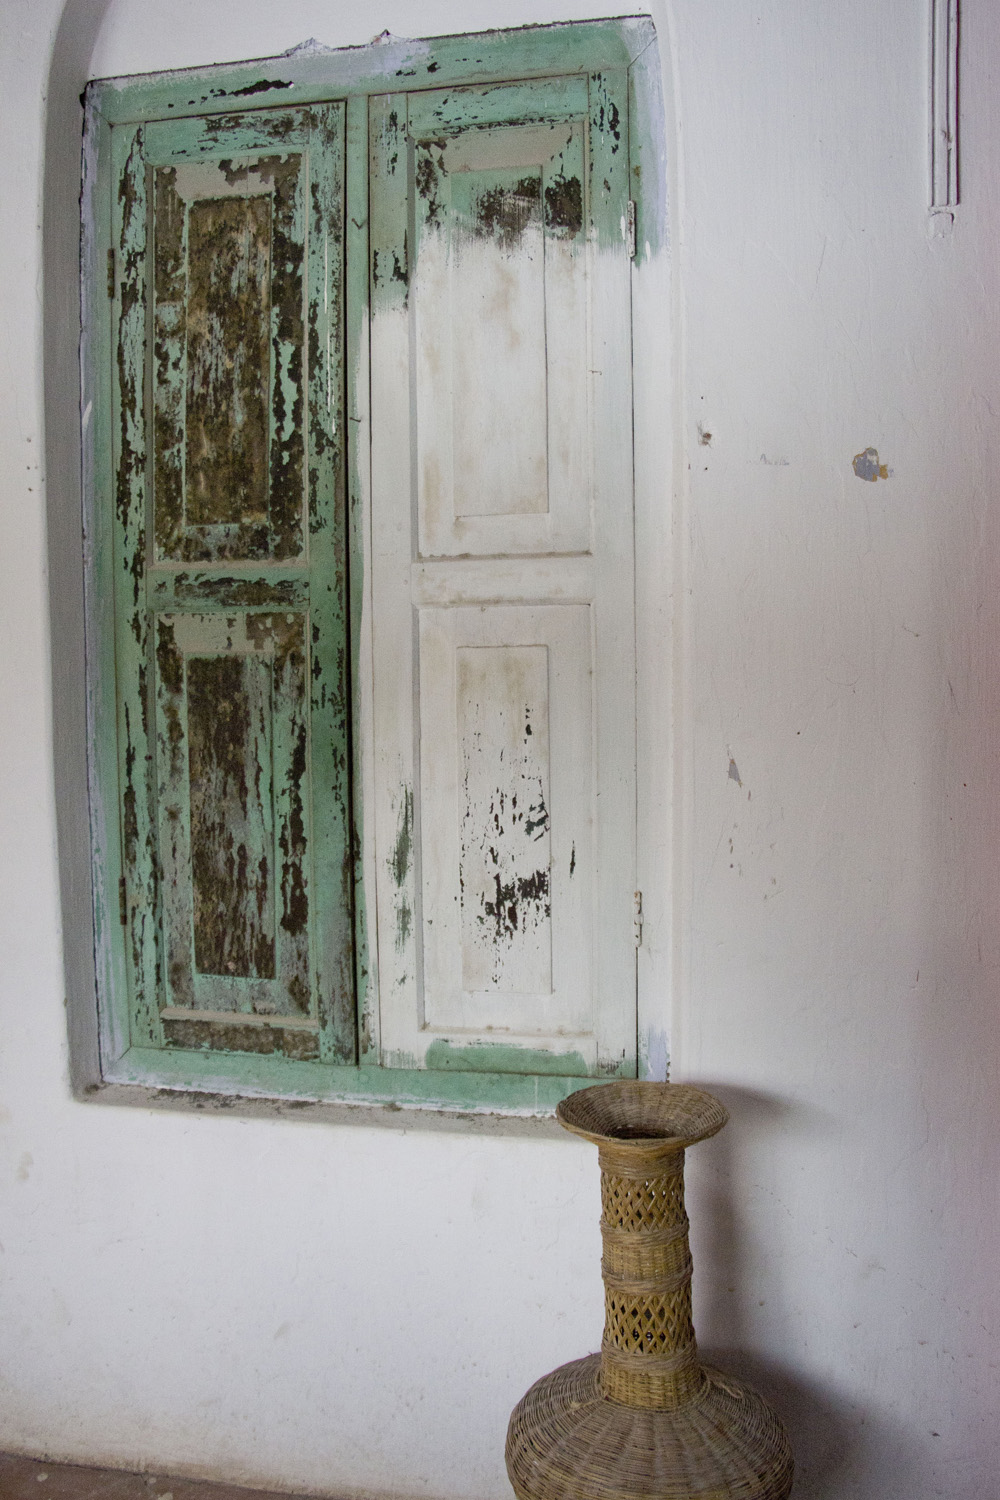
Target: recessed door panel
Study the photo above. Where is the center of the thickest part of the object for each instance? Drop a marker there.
(506, 802)
(499, 299)
(229, 325)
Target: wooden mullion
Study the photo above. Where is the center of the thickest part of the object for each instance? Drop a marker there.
(358, 454)
(329, 668)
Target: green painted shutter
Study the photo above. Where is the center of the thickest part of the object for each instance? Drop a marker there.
(230, 566)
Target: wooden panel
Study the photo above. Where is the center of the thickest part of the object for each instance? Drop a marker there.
(229, 244)
(507, 793)
(496, 299)
(229, 253)
(500, 314)
(502, 577)
(232, 651)
(502, 712)
(232, 720)
(232, 837)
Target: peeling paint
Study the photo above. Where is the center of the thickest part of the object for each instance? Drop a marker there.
(229, 743)
(505, 213)
(227, 1036)
(501, 1057)
(510, 899)
(402, 853)
(867, 465)
(229, 251)
(505, 851)
(228, 282)
(263, 86)
(564, 204)
(401, 863)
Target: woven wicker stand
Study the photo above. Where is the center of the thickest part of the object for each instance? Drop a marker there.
(644, 1417)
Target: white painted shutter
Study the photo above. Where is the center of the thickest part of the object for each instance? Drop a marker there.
(502, 577)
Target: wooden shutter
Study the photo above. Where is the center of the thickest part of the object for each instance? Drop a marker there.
(502, 576)
(230, 563)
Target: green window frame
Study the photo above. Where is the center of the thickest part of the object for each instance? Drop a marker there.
(225, 634)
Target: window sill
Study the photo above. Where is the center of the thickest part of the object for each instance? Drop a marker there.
(271, 1087)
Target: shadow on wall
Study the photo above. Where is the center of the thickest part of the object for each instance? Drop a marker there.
(835, 1444)
(69, 69)
(834, 1441)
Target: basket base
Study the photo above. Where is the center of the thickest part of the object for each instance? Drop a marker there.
(566, 1441)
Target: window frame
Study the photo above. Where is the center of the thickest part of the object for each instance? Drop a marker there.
(354, 76)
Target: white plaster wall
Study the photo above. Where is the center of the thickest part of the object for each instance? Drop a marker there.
(346, 1308)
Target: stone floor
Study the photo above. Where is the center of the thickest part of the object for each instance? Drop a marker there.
(29, 1479)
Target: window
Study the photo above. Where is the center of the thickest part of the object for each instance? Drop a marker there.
(361, 589)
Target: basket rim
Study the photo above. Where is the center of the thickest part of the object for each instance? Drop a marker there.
(642, 1114)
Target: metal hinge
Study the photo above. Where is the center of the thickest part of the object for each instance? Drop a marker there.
(637, 917)
(111, 274)
(122, 901)
(630, 228)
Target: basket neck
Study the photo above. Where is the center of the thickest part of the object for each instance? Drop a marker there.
(649, 1357)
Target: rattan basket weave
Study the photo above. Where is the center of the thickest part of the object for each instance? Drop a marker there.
(645, 1417)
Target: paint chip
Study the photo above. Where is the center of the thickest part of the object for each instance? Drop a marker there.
(734, 774)
(309, 48)
(866, 465)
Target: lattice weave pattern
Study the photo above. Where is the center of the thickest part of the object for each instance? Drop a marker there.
(655, 1323)
(643, 1203)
